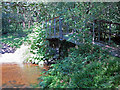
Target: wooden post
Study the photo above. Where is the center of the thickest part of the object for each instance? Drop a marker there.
(119, 31)
(46, 29)
(67, 28)
(75, 27)
(54, 27)
(93, 32)
(104, 31)
(49, 28)
(109, 33)
(84, 31)
(60, 28)
(98, 31)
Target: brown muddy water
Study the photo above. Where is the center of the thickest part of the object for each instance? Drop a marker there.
(15, 74)
(20, 76)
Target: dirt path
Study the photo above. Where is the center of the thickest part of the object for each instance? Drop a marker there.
(112, 50)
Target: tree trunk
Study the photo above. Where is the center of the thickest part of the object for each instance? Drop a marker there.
(28, 24)
(23, 25)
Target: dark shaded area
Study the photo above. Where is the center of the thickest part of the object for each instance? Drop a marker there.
(59, 49)
(105, 31)
(108, 22)
(116, 40)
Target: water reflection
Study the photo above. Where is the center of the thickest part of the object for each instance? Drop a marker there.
(20, 76)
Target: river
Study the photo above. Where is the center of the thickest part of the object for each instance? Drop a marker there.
(16, 76)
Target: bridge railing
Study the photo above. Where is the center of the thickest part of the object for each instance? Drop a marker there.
(57, 27)
(103, 30)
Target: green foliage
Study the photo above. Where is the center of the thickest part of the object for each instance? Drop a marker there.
(38, 42)
(86, 67)
(10, 23)
(16, 39)
(12, 41)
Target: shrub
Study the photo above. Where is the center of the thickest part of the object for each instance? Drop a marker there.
(38, 43)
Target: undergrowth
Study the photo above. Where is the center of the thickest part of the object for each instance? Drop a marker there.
(86, 67)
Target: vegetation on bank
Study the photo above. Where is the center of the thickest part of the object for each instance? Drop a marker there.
(15, 39)
(86, 67)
